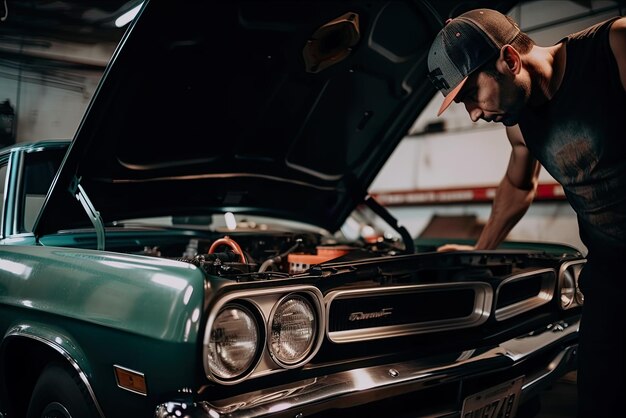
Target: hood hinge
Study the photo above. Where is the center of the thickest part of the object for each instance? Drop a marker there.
(380, 210)
(94, 216)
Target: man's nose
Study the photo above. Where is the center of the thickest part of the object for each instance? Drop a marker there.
(474, 111)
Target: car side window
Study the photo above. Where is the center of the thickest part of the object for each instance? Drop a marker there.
(40, 169)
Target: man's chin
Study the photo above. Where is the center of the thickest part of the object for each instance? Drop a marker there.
(509, 120)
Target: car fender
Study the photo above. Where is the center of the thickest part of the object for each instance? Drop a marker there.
(148, 296)
(130, 311)
(55, 340)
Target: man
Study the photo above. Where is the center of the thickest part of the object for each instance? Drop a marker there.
(564, 107)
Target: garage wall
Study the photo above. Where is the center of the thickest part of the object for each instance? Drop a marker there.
(51, 90)
(467, 159)
(52, 93)
(467, 155)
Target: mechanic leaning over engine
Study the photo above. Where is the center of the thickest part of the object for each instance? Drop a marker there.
(564, 107)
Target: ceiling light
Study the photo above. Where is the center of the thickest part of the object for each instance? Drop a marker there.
(231, 222)
(128, 16)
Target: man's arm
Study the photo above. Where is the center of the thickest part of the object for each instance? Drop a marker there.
(513, 196)
(617, 40)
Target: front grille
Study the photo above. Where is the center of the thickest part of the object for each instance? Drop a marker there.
(365, 314)
(522, 292)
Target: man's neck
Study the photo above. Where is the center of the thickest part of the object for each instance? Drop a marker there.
(546, 66)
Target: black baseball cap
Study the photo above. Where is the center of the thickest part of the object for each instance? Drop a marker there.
(463, 45)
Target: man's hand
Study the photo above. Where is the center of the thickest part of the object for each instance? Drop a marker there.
(455, 247)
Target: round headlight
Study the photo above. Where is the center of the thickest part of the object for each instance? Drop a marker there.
(568, 288)
(234, 342)
(293, 330)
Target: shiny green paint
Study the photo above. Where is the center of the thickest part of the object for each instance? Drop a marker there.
(11, 198)
(103, 309)
(21, 239)
(53, 337)
(148, 296)
(167, 366)
(97, 309)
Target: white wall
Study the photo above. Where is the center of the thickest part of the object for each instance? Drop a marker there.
(470, 158)
(50, 100)
(51, 105)
(471, 154)
(47, 111)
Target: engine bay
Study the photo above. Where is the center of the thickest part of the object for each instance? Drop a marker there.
(264, 255)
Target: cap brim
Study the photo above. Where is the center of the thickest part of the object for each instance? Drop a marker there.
(450, 97)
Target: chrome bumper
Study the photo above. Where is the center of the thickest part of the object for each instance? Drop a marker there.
(359, 386)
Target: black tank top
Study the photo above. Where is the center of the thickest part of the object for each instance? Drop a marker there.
(580, 138)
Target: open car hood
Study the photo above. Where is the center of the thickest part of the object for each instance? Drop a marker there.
(284, 109)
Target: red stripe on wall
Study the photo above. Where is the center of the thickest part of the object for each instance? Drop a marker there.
(416, 197)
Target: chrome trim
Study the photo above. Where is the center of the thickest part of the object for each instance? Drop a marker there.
(575, 300)
(91, 212)
(16, 332)
(263, 300)
(566, 283)
(319, 332)
(544, 296)
(483, 299)
(5, 197)
(555, 366)
(15, 170)
(360, 386)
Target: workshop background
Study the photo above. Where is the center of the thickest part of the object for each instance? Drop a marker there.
(439, 181)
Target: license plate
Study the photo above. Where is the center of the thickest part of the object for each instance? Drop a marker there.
(496, 402)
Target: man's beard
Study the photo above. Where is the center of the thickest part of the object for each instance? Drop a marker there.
(512, 116)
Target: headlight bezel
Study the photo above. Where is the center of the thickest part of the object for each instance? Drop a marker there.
(263, 301)
(567, 288)
(570, 271)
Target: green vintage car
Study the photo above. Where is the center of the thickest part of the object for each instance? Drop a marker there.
(181, 256)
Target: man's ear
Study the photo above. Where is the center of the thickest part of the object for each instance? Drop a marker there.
(509, 60)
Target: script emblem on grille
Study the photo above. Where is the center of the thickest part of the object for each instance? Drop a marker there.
(360, 316)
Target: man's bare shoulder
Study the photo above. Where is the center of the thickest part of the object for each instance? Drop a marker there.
(617, 35)
(619, 24)
(617, 40)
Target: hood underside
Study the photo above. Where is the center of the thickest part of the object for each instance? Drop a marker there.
(285, 109)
